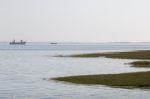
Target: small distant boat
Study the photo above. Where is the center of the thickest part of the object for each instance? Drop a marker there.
(53, 43)
(17, 43)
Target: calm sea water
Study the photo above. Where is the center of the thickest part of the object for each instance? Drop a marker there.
(22, 69)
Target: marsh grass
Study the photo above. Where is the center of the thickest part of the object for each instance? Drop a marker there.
(123, 55)
(142, 64)
(137, 79)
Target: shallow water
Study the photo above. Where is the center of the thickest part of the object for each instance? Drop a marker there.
(22, 72)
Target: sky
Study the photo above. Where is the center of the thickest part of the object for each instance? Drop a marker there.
(75, 20)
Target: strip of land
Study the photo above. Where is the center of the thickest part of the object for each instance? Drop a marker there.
(137, 79)
(145, 54)
(140, 64)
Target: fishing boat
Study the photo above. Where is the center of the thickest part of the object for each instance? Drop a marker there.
(17, 43)
(53, 43)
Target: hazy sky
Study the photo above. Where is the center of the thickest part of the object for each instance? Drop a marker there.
(75, 20)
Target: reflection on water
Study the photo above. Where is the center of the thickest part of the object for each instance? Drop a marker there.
(22, 73)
